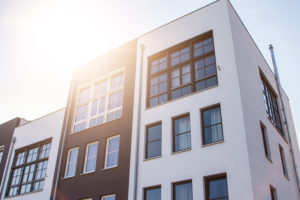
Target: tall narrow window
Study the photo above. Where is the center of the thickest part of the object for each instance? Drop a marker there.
(216, 188)
(153, 141)
(283, 162)
(71, 162)
(271, 104)
(100, 102)
(273, 193)
(181, 133)
(181, 70)
(112, 152)
(90, 157)
(152, 193)
(183, 191)
(1, 154)
(212, 125)
(109, 197)
(265, 141)
(29, 169)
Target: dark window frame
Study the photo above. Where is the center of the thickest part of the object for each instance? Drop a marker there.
(273, 193)
(265, 140)
(203, 126)
(147, 139)
(187, 132)
(191, 61)
(22, 166)
(283, 162)
(207, 179)
(179, 183)
(150, 188)
(271, 104)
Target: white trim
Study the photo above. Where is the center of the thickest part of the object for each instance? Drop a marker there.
(106, 152)
(106, 196)
(67, 164)
(91, 86)
(86, 154)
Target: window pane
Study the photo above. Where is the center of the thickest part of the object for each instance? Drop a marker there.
(113, 197)
(84, 95)
(183, 191)
(211, 81)
(183, 141)
(112, 159)
(154, 149)
(81, 112)
(218, 189)
(154, 133)
(117, 81)
(114, 115)
(114, 144)
(213, 134)
(73, 154)
(115, 100)
(153, 194)
(100, 89)
(212, 116)
(90, 165)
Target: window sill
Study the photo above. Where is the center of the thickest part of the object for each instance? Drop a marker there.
(87, 173)
(64, 178)
(269, 159)
(82, 131)
(152, 158)
(181, 151)
(214, 143)
(279, 132)
(27, 193)
(172, 100)
(108, 168)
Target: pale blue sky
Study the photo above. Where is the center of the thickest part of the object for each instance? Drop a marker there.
(42, 41)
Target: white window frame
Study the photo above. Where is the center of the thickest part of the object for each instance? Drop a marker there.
(106, 196)
(91, 85)
(106, 151)
(67, 164)
(86, 158)
(2, 152)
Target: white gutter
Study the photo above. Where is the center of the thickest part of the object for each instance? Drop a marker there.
(13, 141)
(142, 48)
(285, 122)
(64, 133)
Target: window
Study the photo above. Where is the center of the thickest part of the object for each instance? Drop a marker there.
(71, 162)
(283, 162)
(90, 157)
(100, 102)
(216, 188)
(109, 197)
(273, 193)
(29, 169)
(212, 125)
(271, 104)
(152, 193)
(112, 152)
(1, 154)
(182, 70)
(182, 191)
(265, 141)
(153, 141)
(181, 133)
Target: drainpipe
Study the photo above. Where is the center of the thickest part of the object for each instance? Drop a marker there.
(64, 132)
(13, 141)
(142, 48)
(285, 122)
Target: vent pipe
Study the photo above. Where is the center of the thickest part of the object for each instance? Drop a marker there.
(285, 121)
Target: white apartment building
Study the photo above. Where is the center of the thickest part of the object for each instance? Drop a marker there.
(203, 127)
(30, 172)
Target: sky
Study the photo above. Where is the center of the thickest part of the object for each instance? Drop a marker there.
(41, 42)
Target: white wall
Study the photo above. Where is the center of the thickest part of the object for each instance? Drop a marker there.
(232, 155)
(263, 172)
(33, 132)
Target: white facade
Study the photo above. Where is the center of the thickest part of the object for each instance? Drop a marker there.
(47, 127)
(241, 155)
